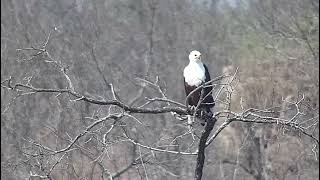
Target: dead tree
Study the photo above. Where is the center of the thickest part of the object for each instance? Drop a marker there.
(40, 152)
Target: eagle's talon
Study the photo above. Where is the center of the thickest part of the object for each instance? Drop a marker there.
(191, 109)
(190, 120)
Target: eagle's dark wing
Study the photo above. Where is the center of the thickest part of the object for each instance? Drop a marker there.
(194, 97)
(208, 90)
(187, 88)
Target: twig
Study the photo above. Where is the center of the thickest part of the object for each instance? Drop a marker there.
(159, 150)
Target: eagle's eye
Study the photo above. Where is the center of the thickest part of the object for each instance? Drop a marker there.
(195, 55)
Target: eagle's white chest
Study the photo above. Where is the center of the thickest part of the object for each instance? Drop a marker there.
(194, 74)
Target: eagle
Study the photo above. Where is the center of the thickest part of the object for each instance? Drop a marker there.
(196, 74)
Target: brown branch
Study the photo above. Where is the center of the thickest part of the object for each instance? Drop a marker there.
(72, 142)
(122, 105)
(202, 145)
(256, 118)
(157, 149)
(134, 162)
(269, 120)
(125, 169)
(217, 132)
(166, 100)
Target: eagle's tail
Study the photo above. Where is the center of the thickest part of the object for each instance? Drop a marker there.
(205, 114)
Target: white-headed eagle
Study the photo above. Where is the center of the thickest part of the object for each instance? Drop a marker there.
(195, 74)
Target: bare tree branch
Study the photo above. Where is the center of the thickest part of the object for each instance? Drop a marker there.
(202, 145)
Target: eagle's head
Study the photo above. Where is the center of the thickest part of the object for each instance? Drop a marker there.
(195, 56)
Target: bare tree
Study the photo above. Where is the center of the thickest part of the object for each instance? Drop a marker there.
(93, 89)
(44, 159)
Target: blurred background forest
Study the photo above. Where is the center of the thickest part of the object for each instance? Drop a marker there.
(274, 43)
